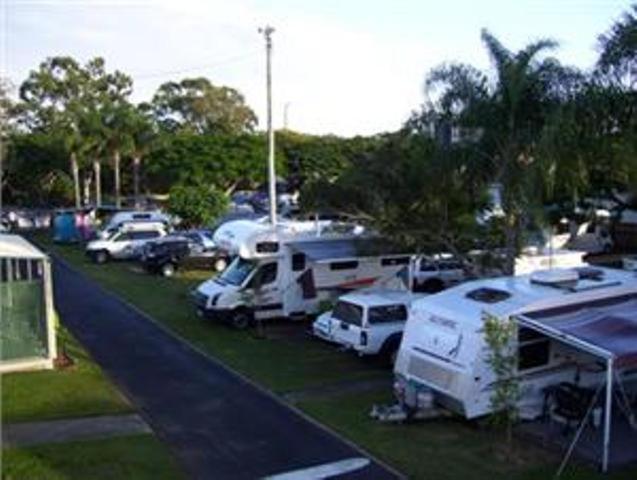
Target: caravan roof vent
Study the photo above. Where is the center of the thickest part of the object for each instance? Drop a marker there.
(488, 295)
(555, 277)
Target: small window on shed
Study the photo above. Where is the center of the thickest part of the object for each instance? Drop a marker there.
(386, 262)
(488, 295)
(298, 262)
(267, 247)
(350, 265)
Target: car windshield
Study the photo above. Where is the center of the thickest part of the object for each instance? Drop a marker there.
(348, 312)
(237, 271)
(110, 233)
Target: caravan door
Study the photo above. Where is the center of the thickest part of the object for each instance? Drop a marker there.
(266, 291)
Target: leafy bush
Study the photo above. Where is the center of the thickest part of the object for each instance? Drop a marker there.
(196, 205)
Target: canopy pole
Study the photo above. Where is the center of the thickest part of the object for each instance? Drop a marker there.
(607, 413)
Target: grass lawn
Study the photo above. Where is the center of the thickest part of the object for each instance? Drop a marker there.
(135, 457)
(449, 449)
(76, 391)
(282, 362)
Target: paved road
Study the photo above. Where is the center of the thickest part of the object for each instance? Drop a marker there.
(217, 425)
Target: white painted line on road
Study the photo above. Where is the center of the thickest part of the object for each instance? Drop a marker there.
(326, 470)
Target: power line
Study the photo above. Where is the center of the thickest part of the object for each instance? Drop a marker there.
(227, 61)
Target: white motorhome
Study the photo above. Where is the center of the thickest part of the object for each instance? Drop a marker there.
(443, 349)
(288, 270)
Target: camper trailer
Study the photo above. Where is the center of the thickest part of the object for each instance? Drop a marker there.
(290, 269)
(443, 349)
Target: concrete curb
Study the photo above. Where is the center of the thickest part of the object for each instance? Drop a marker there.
(73, 429)
(273, 396)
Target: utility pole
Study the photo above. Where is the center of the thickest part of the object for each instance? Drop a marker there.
(267, 32)
(285, 115)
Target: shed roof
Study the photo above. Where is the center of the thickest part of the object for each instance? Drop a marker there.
(15, 246)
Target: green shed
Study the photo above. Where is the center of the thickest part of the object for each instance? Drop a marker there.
(27, 330)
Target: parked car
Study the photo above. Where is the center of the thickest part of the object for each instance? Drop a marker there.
(124, 242)
(433, 274)
(193, 249)
(370, 322)
(128, 217)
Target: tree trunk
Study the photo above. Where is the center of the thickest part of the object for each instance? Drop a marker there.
(116, 160)
(86, 194)
(511, 231)
(97, 172)
(137, 160)
(75, 171)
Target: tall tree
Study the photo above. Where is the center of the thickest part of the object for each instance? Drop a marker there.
(53, 98)
(143, 139)
(195, 105)
(508, 113)
(619, 50)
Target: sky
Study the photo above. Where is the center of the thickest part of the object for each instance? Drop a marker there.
(345, 67)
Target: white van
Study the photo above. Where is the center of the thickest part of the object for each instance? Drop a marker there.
(125, 241)
(370, 322)
(121, 218)
(289, 269)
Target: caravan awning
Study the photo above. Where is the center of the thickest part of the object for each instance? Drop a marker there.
(341, 249)
(605, 327)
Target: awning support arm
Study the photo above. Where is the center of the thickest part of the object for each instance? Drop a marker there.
(578, 433)
(608, 413)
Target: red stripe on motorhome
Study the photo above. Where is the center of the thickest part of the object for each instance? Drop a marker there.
(358, 283)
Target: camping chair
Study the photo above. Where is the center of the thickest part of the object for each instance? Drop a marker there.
(568, 403)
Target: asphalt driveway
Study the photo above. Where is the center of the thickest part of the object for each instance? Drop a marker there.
(216, 424)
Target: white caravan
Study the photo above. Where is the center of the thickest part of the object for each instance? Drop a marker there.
(443, 349)
(369, 321)
(290, 269)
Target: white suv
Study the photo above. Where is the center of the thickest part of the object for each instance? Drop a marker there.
(370, 322)
(125, 242)
(432, 275)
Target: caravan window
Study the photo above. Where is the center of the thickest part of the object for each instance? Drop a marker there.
(351, 265)
(141, 235)
(267, 247)
(533, 349)
(268, 273)
(298, 262)
(394, 261)
(348, 313)
(387, 314)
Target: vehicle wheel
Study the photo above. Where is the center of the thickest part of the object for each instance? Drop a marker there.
(391, 358)
(389, 350)
(101, 257)
(241, 319)
(220, 265)
(168, 269)
(434, 285)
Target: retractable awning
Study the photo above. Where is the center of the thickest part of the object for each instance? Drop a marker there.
(605, 327)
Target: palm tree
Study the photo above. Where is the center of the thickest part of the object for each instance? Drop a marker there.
(119, 141)
(509, 110)
(143, 137)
